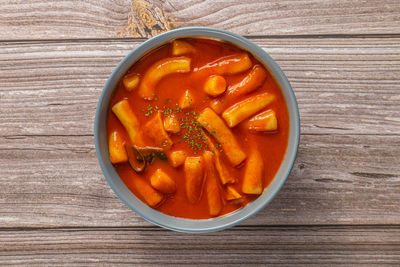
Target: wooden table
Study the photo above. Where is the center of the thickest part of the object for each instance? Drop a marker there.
(341, 203)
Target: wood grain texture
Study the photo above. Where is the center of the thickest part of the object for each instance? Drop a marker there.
(341, 203)
(68, 19)
(302, 246)
(347, 170)
(343, 86)
(342, 179)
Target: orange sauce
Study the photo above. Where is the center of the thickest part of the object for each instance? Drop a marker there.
(271, 145)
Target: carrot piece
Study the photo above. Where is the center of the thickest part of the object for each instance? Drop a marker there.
(162, 182)
(116, 148)
(233, 196)
(180, 47)
(171, 124)
(193, 169)
(186, 100)
(215, 85)
(248, 84)
(129, 120)
(154, 128)
(150, 195)
(212, 187)
(130, 81)
(177, 158)
(245, 108)
(229, 65)
(159, 70)
(263, 122)
(253, 175)
(217, 128)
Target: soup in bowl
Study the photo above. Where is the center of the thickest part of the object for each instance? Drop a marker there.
(197, 129)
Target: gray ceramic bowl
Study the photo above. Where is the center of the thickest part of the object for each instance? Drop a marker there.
(188, 225)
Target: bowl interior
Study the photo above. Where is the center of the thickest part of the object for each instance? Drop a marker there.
(189, 225)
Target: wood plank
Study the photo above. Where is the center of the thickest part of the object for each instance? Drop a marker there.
(66, 19)
(337, 179)
(245, 245)
(347, 90)
(343, 85)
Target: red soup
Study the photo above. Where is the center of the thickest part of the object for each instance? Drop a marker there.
(197, 128)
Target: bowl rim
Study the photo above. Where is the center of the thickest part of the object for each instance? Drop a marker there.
(200, 225)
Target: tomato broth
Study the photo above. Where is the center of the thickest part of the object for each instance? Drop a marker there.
(193, 138)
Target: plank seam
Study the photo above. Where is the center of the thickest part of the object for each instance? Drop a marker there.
(236, 228)
(141, 39)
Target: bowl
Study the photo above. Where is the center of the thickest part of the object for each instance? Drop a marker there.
(190, 225)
